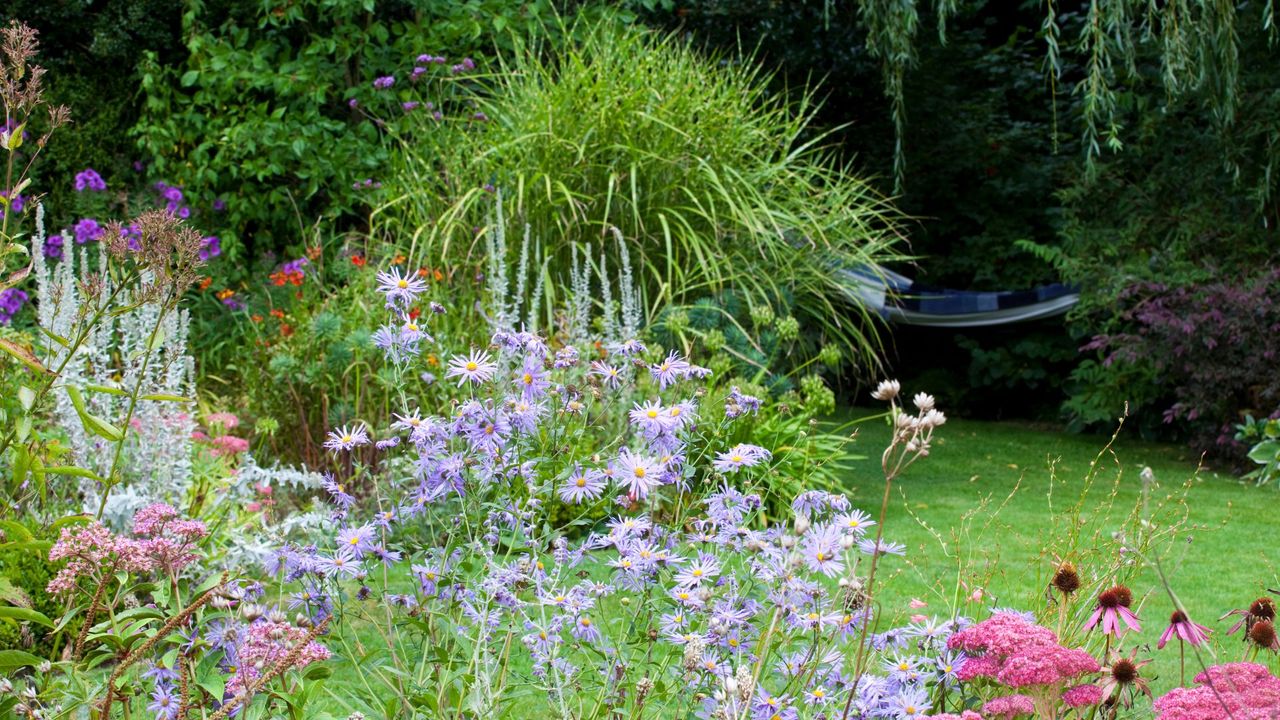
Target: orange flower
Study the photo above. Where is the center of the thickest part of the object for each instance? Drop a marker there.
(439, 276)
(277, 313)
(256, 317)
(285, 329)
(313, 252)
(398, 259)
(422, 272)
(432, 361)
(357, 260)
(224, 294)
(414, 313)
(205, 282)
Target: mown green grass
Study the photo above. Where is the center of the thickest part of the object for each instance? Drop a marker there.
(1023, 481)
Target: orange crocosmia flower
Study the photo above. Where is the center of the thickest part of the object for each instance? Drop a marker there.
(224, 294)
(277, 313)
(205, 282)
(422, 272)
(357, 260)
(439, 276)
(432, 360)
(285, 329)
(414, 313)
(256, 317)
(398, 259)
(313, 252)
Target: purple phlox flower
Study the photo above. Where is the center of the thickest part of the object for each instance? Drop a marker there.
(384, 82)
(87, 230)
(89, 179)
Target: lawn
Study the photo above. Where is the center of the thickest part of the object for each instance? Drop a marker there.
(1023, 481)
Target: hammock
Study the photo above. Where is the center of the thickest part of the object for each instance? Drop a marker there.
(898, 299)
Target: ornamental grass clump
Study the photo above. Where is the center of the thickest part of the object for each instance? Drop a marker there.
(715, 180)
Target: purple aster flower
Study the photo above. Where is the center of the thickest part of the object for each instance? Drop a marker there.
(670, 370)
(884, 548)
(738, 403)
(651, 418)
(584, 629)
(359, 541)
(740, 456)
(345, 438)
(532, 379)
(609, 375)
(400, 289)
(219, 205)
(855, 522)
(821, 550)
(337, 492)
(638, 474)
(89, 179)
(343, 564)
(581, 486)
(384, 82)
(477, 368)
(410, 105)
(164, 704)
(704, 569)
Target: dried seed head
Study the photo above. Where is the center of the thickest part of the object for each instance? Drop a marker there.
(1123, 671)
(1066, 580)
(1263, 634)
(1263, 608)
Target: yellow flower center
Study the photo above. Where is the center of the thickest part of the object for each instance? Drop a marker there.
(653, 414)
(527, 379)
(471, 366)
(402, 284)
(580, 482)
(639, 472)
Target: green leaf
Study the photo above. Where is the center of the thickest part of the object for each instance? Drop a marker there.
(161, 397)
(189, 78)
(13, 138)
(27, 397)
(76, 471)
(106, 390)
(24, 615)
(91, 422)
(16, 531)
(13, 659)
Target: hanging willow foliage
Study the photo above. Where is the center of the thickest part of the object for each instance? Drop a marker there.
(1197, 42)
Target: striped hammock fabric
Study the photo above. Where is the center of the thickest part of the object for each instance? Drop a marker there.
(899, 299)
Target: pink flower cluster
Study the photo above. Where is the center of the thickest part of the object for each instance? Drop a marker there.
(966, 715)
(1022, 655)
(224, 444)
(163, 542)
(266, 645)
(1242, 691)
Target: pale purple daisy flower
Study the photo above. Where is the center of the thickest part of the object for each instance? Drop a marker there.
(704, 569)
(855, 521)
(637, 473)
(359, 540)
(402, 289)
(609, 375)
(344, 438)
(476, 368)
(821, 550)
(670, 370)
(869, 547)
(582, 485)
(740, 456)
(651, 417)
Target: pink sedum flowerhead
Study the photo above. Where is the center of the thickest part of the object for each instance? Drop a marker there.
(1082, 696)
(1009, 707)
(1241, 691)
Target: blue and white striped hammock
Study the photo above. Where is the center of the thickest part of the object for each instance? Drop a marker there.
(899, 299)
